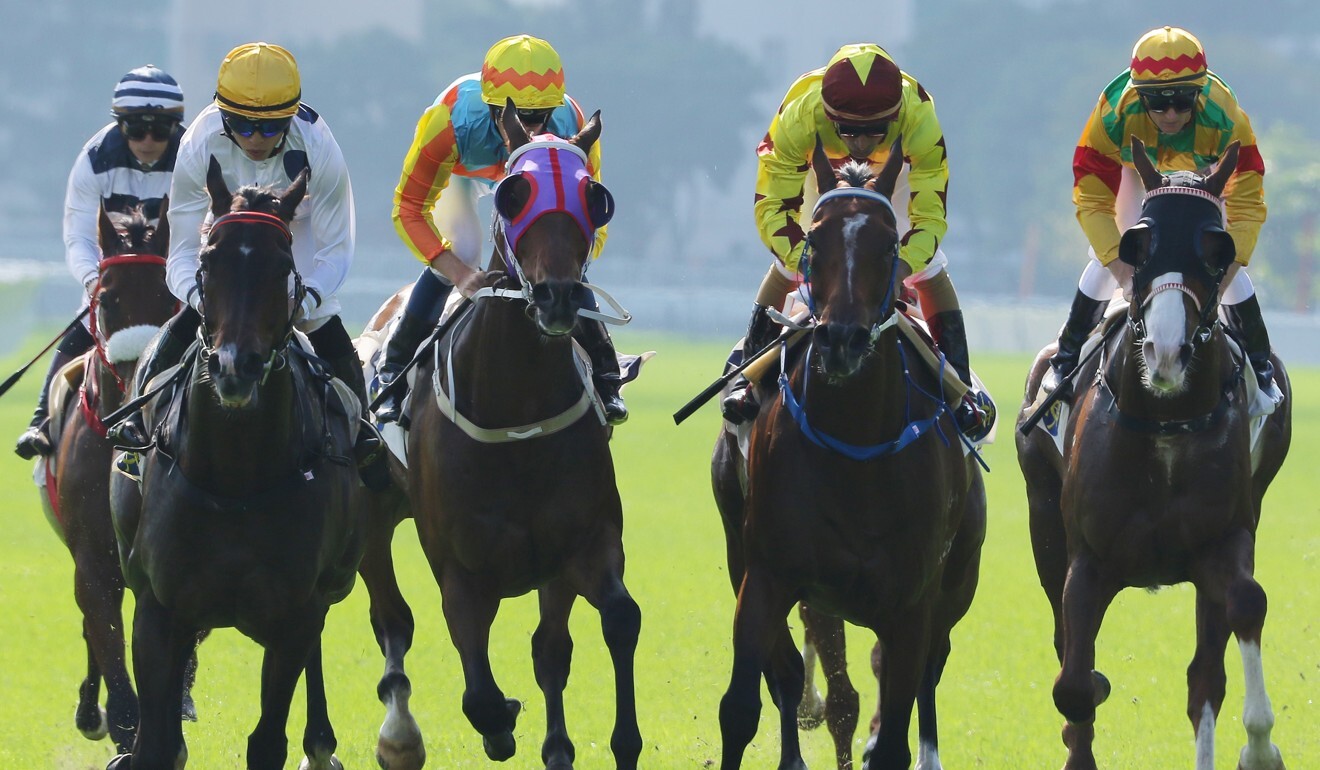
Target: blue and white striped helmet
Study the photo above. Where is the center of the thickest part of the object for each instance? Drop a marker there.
(147, 90)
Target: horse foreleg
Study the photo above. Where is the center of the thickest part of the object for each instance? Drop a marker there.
(902, 666)
(1049, 541)
(842, 705)
(1227, 573)
(1077, 689)
(319, 735)
(99, 592)
(399, 745)
(469, 612)
(552, 656)
(758, 622)
(188, 709)
(160, 652)
(928, 752)
(281, 666)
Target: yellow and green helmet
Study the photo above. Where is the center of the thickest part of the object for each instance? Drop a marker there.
(523, 68)
(1168, 57)
(259, 80)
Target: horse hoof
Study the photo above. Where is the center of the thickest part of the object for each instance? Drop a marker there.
(1269, 759)
(94, 731)
(188, 710)
(391, 755)
(332, 763)
(120, 762)
(810, 714)
(499, 747)
(1102, 687)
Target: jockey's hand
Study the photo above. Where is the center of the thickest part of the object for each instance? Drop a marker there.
(90, 286)
(478, 280)
(907, 294)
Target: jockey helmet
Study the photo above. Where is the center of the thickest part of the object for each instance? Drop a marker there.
(862, 85)
(526, 69)
(1167, 58)
(258, 80)
(147, 91)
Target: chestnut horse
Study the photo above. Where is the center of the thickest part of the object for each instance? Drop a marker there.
(1170, 487)
(504, 511)
(857, 498)
(129, 303)
(248, 513)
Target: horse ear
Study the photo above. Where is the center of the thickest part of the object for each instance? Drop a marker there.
(1135, 244)
(160, 239)
(590, 132)
(106, 234)
(1150, 177)
(515, 134)
(884, 183)
(221, 199)
(293, 195)
(1226, 168)
(826, 178)
(600, 204)
(512, 196)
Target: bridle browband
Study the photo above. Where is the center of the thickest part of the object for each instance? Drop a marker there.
(299, 291)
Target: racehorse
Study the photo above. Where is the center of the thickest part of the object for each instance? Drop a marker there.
(1157, 481)
(857, 498)
(248, 514)
(129, 302)
(503, 511)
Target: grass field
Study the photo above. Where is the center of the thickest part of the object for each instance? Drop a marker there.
(995, 705)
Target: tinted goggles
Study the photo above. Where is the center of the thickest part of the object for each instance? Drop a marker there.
(1180, 101)
(870, 129)
(137, 130)
(246, 127)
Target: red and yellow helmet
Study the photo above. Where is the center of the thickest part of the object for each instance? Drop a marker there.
(258, 80)
(526, 69)
(861, 85)
(1168, 57)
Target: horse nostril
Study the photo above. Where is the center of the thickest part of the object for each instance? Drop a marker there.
(250, 366)
(1185, 354)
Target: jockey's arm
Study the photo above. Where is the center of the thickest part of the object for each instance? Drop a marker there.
(333, 218)
(82, 202)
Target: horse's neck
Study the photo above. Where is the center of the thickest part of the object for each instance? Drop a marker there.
(241, 448)
(1206, 375)
(501, 359)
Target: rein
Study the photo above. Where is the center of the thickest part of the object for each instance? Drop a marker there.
(94, 314)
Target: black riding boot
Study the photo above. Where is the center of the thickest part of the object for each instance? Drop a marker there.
(1245, 319)
(418, 320)
(36, 439)
(1084, 315)
(975, 416)
(741, 404)
(164, 350)
(595, 340)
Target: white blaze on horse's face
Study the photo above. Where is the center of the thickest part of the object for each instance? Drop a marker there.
(1166, 350)
(852, 228)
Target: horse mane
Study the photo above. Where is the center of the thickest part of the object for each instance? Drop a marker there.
(133, 227)
(256, 198)
(856, 173)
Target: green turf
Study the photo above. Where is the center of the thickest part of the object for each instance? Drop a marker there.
(996, 710)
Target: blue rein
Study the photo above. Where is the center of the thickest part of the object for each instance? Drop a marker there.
(914, 429)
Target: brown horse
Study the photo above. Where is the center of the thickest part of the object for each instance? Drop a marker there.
(129, 303)
(857, 498)
(248, 513)
(1157, 482)
(501, 512)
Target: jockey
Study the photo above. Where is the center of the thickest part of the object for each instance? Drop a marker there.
(261, 133)
(457, 155)
(126, 163)
(1187, 116)
(858, 105)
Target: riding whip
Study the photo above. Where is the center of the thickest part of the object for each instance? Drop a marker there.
(13, 378)
(435, 335)
(718, 385)
(1057, 393)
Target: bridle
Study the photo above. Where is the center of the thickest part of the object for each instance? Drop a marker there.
(272, 361)
(94, 314)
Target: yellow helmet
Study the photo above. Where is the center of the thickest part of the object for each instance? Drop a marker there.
(526, 69)
(258, 80)
(1168, 56)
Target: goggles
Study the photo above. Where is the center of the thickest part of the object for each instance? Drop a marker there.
(870, 129)
(246, 127)
(1181, 100)
(137, 129)
(536, 117)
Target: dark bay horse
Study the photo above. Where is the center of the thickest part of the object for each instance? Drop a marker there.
(1158, 481)
(248, 514)
(504, 511)
(857, 498)
(129, 303)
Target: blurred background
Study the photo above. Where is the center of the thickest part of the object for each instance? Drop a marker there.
(686, 89)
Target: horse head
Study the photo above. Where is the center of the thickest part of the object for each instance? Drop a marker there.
(549, 209)
(850, 259)
(243, 280)
(130, 299)
(1180, 252)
